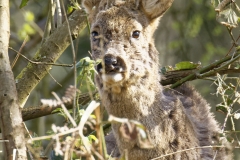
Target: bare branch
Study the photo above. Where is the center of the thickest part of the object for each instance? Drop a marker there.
(172, 77)
(44, 110)
(44, 63)
(48, 53)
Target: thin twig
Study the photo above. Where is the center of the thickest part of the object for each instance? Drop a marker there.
(74, 58)
(92, 106)
(65, 109)
(216, 70)
(232, 37)
(47, 28)
(59, 13)
(44, 63)
(169, 154)
(17, 56)
(54, 79)
(53, 7)
(232, 47)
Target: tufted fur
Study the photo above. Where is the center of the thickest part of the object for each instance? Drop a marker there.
(175, 120)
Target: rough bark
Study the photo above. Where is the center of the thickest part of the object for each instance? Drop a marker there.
(10, 115)
(49, 52)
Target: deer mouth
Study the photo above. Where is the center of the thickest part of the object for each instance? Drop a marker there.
(112, 69)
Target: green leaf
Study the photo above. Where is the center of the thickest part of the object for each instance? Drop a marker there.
(221, 108)
(29, 16)
(69, 9)
(186, 65)
(57, 110)
(23, 3)
(92, 138)
(78, 143)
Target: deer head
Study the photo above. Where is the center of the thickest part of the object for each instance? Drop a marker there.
(121, 36)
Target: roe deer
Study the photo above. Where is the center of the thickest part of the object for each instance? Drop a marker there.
(128, 82)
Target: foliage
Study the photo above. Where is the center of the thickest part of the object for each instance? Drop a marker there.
(68, 140)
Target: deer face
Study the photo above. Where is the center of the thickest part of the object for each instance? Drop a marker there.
(121, 43)
(121, 37)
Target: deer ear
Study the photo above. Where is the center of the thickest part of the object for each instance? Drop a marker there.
(156, 8)
(89, 5)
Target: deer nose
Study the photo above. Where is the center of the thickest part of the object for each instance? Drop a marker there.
(110, 64)
(110, 61)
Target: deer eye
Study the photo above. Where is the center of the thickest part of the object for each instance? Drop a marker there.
(94, 35)
(136, 34)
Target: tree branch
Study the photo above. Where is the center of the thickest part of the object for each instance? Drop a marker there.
(211, 69)
(49, 52)
(172, 77)
(11, 122)
(44, 110)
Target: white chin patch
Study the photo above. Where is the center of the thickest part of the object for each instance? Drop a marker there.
(112, 78)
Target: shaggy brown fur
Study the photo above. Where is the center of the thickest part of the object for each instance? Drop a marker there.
(128, 83)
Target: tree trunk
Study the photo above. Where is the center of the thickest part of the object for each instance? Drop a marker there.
(10, 115)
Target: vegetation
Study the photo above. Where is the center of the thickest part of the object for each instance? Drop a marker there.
(53, 70)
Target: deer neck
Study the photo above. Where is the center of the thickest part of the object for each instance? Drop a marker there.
(135, 100)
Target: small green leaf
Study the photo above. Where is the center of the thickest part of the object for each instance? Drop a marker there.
(92, 138)
(230, 139)
(186, 65)
(29, 16)
(78, 143)
(23, 3)
(229, 101)
(57, 110)
(221, 108)
(69, 9)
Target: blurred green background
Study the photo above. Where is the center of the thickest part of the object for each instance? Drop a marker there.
(187, 32)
